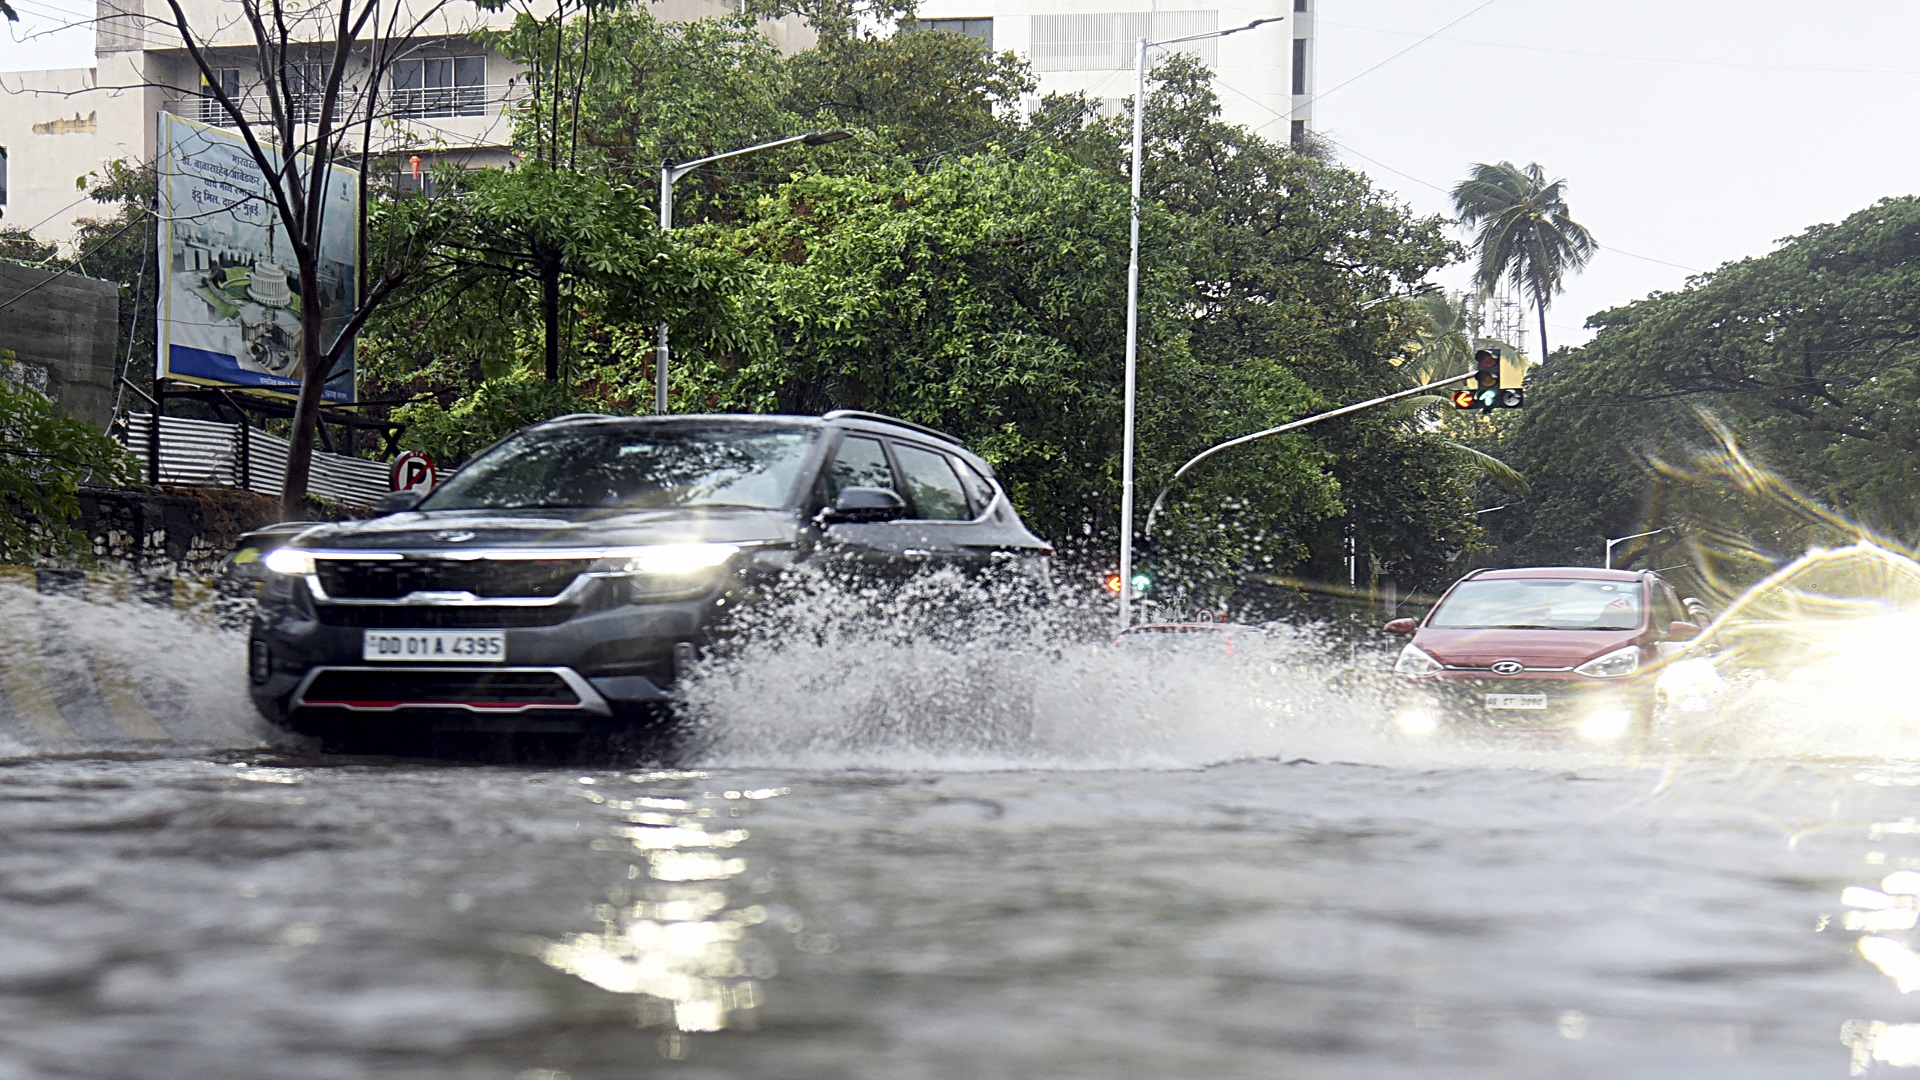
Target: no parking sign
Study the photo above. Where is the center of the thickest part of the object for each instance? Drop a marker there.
(414, 471)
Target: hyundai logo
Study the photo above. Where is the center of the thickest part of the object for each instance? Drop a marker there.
(454, 536)
(1509, 667)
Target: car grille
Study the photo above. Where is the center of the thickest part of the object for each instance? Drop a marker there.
(444, 616)
(400, 687)
(389, 579)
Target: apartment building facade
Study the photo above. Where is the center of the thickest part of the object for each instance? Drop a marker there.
(444, 96)
(1264, 75)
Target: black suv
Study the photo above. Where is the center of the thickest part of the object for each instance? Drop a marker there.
(560, 581)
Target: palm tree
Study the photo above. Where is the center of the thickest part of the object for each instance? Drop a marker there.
(1523, 233)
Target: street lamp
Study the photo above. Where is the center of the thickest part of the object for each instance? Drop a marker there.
(1623, 539)
(1133, 306)
(669, 175)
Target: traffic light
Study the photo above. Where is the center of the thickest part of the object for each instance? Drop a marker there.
(1487, 393)
(1486, 370)
(1142, 582)
(1112, 583)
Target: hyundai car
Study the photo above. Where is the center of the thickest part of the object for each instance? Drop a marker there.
(564, 580)
(1556, 651)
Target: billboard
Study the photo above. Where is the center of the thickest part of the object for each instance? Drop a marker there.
(229, 296)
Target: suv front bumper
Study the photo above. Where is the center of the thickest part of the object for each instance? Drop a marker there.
(601, 664)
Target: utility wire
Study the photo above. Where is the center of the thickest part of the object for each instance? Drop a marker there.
(1478, 9)
(77, 259)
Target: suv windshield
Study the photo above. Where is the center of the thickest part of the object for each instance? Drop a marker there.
(1540, 604)
(632, 466)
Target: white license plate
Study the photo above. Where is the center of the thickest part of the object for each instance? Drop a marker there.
(456, 646)
(1516, 701)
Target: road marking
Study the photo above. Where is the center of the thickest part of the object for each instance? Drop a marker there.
(24, 679)
(121, 694)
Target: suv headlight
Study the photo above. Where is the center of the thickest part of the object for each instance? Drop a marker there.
(1414, 662)
(1613, 665)
(669, 571)
(289, 561)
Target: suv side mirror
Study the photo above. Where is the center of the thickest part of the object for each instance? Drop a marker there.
(864, 504)
(395, 502)
(1401, 626)
(1682, 631)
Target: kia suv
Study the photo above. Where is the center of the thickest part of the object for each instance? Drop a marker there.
(563, 580)
(1540, 650)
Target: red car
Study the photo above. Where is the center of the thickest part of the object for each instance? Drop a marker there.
(1544, 650)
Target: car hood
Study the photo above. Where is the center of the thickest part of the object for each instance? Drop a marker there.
(1534, 648)
(478, 530)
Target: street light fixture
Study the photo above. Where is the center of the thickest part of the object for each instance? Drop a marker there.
(670, 174)
(1133, 303)
(1623, 539)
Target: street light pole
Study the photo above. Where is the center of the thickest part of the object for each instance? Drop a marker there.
(1608, 565)
(670, 174)
(1133, 307)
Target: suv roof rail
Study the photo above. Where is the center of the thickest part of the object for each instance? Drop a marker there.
(857, 414)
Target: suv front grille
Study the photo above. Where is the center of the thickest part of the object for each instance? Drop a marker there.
(401, 687)
(443, 616)
(376, 579)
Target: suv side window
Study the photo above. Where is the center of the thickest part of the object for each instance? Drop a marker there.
(861, 462)
(979, 487)
(935, 489)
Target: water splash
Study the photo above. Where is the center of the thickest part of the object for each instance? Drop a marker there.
(118, 675)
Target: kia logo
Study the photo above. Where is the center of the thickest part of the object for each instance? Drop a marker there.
(1509, 667)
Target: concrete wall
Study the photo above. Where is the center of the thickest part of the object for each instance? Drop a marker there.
(64, 337)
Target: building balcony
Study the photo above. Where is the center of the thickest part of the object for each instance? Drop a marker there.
(454, 116)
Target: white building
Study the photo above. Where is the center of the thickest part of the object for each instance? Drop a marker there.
(1265, 75)
(447, 96)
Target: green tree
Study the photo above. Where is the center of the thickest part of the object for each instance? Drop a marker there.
(1807, 360)
(1523, 233)
(45, 457)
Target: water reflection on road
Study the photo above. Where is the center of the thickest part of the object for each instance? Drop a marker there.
(674, 930)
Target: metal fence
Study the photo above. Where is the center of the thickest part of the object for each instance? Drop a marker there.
(208, 453)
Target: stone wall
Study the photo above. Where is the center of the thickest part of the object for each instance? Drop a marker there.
(64, 337)
(172, 532)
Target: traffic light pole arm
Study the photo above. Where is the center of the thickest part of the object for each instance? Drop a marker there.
(1203, 455)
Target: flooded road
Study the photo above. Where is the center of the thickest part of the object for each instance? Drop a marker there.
(1193, 882)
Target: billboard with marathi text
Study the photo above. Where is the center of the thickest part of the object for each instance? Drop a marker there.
(230, 297)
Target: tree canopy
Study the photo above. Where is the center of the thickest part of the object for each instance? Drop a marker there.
(1771, 403)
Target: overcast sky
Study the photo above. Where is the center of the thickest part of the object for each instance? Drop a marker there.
(1690, 132)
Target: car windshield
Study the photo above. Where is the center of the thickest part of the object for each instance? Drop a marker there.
(632, 466)
(1540, 604)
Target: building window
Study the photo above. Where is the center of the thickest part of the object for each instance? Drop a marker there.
(1299, 65)
(1107, 42)
(3, 176)
(1299, 134)
(1299, 5)
(440, 86)
(306, 85)
(980, 30)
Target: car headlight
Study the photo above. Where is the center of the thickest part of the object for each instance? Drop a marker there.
(1414, 662)
(1613, 665)
(669, 571)
(668, 559)
(289, 561)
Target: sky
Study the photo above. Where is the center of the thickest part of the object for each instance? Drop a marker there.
(1690, 132)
